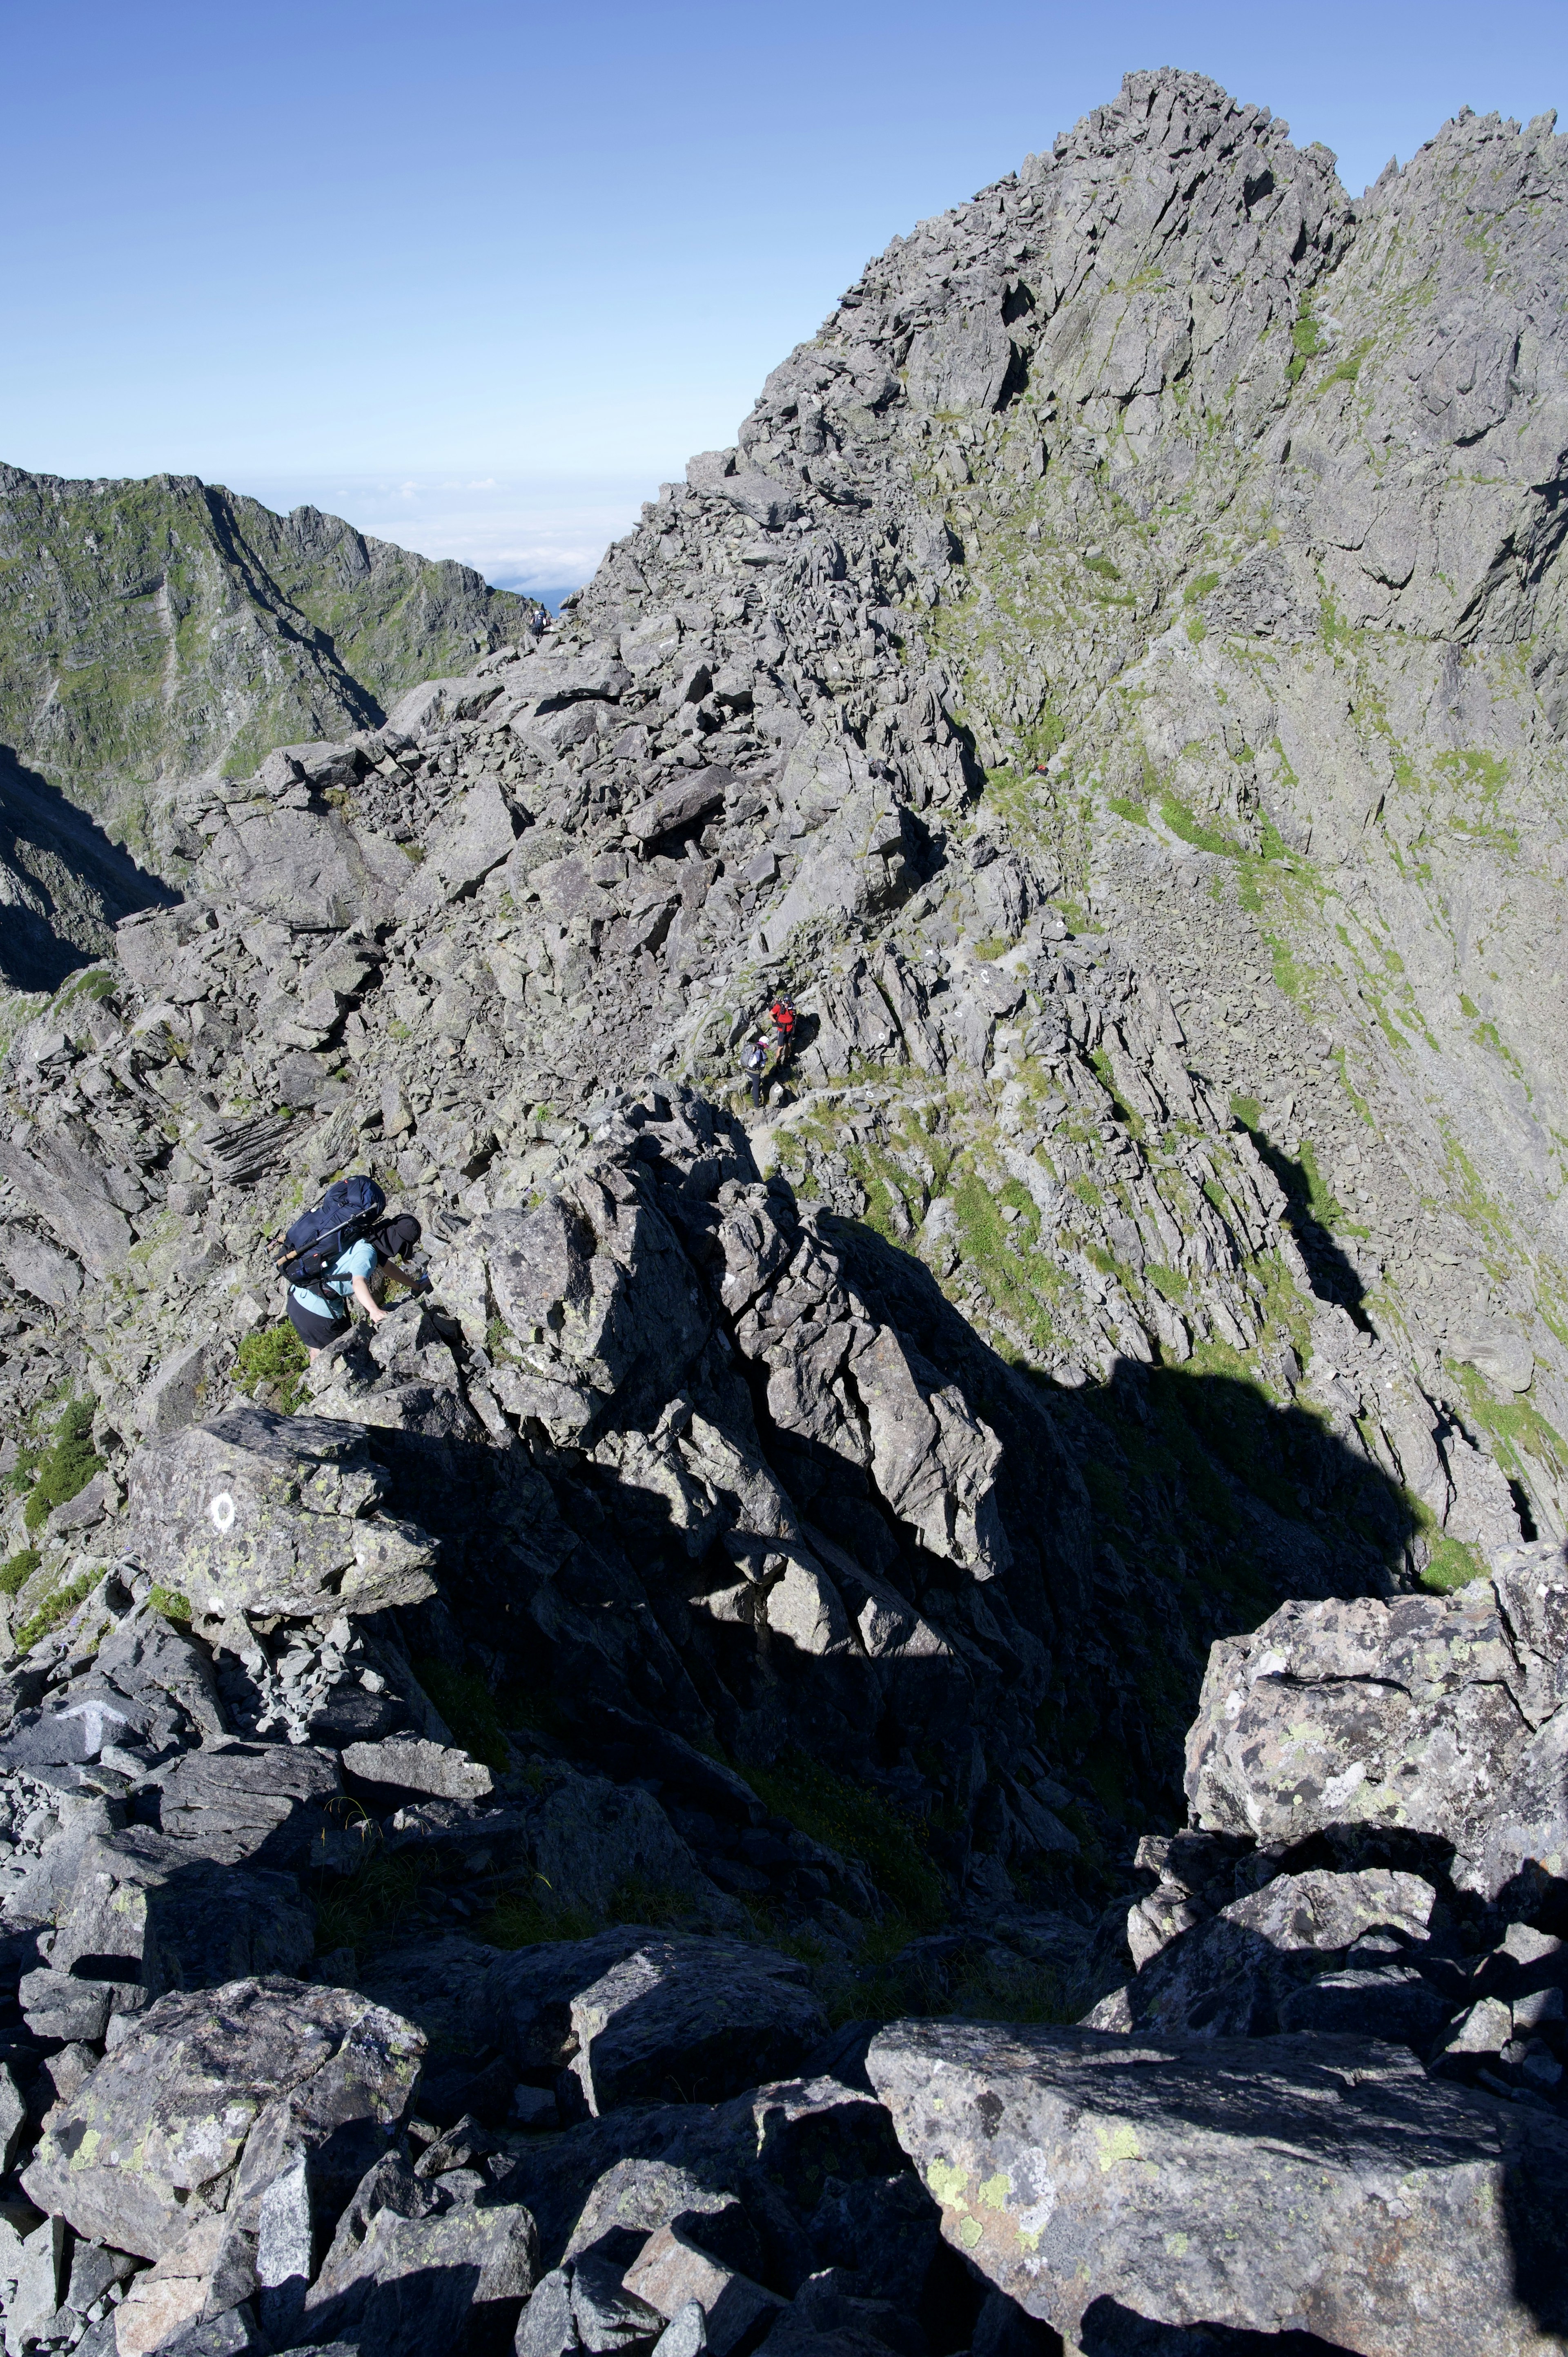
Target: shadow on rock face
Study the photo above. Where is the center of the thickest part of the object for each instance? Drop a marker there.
(1196, 1501)
(795, 1505)
(1110, 2330)
(1334, 1276)
(68, 883)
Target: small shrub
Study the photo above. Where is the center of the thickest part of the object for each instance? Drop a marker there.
(170, 1603)
(16, 1574)
(467, 1705)
(54, 1608)
(67, 1465)
(277, 1357)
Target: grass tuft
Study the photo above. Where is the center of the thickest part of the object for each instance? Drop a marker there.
(66, 1467)
(275, 1358)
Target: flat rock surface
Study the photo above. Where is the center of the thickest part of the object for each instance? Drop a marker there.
(1270, 2185)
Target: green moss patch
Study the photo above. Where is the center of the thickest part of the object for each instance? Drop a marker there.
(55, 1608)
(16, 1573)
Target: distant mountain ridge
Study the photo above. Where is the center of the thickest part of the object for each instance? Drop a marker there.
(153, 631)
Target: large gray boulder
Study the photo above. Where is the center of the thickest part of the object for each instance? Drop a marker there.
(693, 2020)
(236, 1802)
(211, 2097)
(58, 1179)
(1435, 1715)
(1306, 2184)
(257, 1512)
(603, 1303)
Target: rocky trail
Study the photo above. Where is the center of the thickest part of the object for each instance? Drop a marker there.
(933, 1718)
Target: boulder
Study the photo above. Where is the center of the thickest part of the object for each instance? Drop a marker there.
(691, 2020)
(1498, 1351)
(672, 2270)
(176, 1394)
(1307, 2184)
(50, 1277)
(237, 1802)
(210, 2096)
(145, 1914)
(69, 1192)
(414, 1765)
(592, 1840)
(1231, 1976)
(413, 2269)
(257, 1512)
(1445, 1716)
(308, 868)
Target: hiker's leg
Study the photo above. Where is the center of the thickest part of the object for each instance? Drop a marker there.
(315, 1331)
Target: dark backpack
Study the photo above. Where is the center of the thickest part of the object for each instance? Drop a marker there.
(348, 1210)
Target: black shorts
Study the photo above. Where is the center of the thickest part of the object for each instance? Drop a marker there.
(313, 1330)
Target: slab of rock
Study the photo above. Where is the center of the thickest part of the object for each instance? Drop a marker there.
(417, 1766)
(176, 1394)
(1270, 2185)
(69, 1193)
(1436, 1715)
(671, 2270)
(419, 2281)
(1230, 1977)
(256, 1513)
(146, 1914)
(206, 2101)
(690, 2021)
(589, 1837)
(243, 1801)
(636, 2012)
(1498, 1351)
(50, 1275)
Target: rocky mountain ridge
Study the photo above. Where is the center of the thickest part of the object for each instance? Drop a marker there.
(473, 1802)
(152, 632)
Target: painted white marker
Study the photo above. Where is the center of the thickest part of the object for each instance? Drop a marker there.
(222, 1512)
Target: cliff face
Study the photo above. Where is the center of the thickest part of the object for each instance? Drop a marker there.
(1114, 683)
(152, 632)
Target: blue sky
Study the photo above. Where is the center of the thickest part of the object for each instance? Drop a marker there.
(480, 277)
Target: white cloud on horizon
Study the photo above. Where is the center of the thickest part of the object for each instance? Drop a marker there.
(521, 533)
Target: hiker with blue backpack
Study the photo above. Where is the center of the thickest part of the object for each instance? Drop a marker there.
(329, 1256)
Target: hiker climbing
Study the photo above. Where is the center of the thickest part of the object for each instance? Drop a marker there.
(754, 1064)
(784, 1021)
(329, 1256)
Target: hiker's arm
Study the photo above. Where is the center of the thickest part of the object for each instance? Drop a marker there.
(367, 1302)
(405, 1276)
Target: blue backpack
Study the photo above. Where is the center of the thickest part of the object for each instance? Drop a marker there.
(311, 1247)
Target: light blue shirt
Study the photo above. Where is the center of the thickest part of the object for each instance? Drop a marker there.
(360, 1260)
